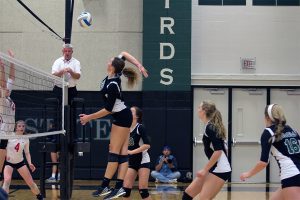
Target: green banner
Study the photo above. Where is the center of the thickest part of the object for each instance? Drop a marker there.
(167, 44)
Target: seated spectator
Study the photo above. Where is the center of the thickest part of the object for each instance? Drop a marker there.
(166, 167)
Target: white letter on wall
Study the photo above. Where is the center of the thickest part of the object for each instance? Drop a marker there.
(167, 3)
(163, 25)
(162, 56)
(166, 76)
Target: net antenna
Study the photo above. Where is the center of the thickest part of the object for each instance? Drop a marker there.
(26, 98)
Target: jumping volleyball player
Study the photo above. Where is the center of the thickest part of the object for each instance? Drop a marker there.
(284, 144)
(15, 160)
(7, 108)
(139, 160)
(216, 172)
(122, 120)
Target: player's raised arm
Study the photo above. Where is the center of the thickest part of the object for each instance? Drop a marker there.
(134, 61)
(12, 66)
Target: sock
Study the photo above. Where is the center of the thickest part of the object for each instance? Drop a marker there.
(53, 175)
(105, 182)
(186, 196)
(119, 184)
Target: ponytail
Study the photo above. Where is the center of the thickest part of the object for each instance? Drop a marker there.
(131, 75)
(275, 113)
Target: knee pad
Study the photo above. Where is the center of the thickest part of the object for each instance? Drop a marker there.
(3, 144)
(128, 191)
(123, 158)
(144, 193)
(112, 157)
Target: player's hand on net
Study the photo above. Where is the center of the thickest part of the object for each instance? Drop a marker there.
(11, 53)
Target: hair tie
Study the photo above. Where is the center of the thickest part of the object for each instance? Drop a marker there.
(121, 57)
(270, 112)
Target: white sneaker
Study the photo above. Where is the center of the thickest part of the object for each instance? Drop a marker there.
(51, 180)
(173, 181)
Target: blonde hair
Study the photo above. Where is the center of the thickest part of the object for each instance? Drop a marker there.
(131, 75)
(276, 114)
(19, 122)
(215, 117)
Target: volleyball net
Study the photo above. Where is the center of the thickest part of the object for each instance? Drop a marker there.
(27, 95)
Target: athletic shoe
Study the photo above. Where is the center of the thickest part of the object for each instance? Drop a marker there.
(51, 180)
(172, 181)
(102, 191)
(39, 197)
(116, 193)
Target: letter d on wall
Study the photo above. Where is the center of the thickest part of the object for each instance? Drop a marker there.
(162, 48)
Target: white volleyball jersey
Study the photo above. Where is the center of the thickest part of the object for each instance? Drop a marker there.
(7, 116)
(15, 148)
(7, 110)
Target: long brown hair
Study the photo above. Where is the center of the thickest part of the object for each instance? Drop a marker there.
(276, 114)
(138, 113)
(129, 73)
(215, 117)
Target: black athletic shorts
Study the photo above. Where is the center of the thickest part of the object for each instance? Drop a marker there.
(293, 181)
(122, 118)
(3, 144)
(139, 166)
(225, 175)
(16, 165)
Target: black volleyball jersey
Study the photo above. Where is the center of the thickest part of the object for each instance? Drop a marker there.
(213, 143)
(112, 94)
(286, 151)
(138, 137)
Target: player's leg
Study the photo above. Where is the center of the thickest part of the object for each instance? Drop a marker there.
(194, 188)
(122, 160)
(25, 173)
(129, 182)
(211, 186)
(3, 144)
(8, 170)
(118, 136)
(291, 193)
(277, 195)
(143, 183)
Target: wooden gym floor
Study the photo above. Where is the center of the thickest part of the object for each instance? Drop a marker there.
(83, 189)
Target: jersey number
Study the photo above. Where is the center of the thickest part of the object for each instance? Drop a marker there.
(292, 145)
(17, 147)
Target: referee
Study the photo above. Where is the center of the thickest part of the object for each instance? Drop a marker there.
(70, 68)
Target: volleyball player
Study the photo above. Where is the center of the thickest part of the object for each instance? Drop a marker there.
(284, 144)
(15, 160)
(216, 172)
(122, 120)
(139, 160)
(7, 107)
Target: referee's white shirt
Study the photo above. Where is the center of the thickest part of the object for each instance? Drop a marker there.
(61, 64)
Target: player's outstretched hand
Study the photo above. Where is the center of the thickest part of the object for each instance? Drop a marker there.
(84, 119)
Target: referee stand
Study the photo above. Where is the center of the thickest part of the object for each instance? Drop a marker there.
(68, 145)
